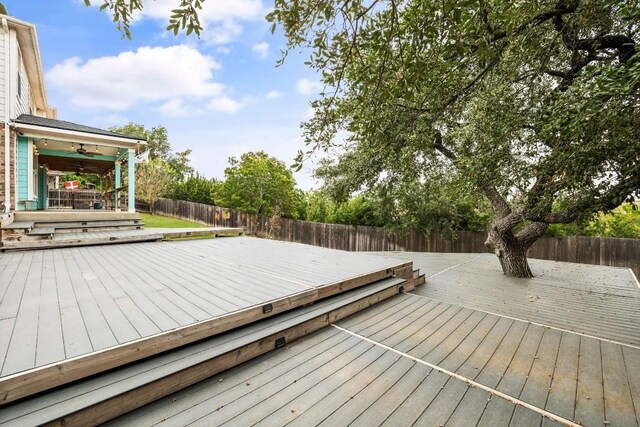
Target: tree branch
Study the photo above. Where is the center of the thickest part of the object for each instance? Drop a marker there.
(531, 233)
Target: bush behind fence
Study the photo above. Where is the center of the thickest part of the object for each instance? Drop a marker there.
(579, 249)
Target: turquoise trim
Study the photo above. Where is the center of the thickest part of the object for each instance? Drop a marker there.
(22, 168)
(116, 184)
(131, 163)
(122, 154)
(59, 153)
(43, 190)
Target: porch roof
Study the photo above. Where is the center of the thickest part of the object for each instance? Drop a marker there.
(60, 130)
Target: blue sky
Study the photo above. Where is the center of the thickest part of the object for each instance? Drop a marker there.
(220, 95)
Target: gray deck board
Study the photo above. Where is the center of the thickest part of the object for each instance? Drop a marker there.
(74, 331)
(100, 333)
(632, 365)
(330, 378)
(50, 344)
(22, 347)
(561, 399)
(589, 299)
(438, 412)
(618, 401)
(538, 383)
(526, 361)
(393, 397)
(589, 395)
(81, 300)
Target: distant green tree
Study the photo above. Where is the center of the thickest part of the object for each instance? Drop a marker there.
(622, 222)
(157, 138)
(153, 180)
(261, 184)
(159, 148)
(197, 189)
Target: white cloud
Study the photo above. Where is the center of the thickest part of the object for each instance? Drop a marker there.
(309, 113)
(113, 119)
(176, 108)
(308, 87)
(261, 49)
(219, 18)
(212, 10)
(222, 33)
(224, 104)
(146, 75)
(273, 94)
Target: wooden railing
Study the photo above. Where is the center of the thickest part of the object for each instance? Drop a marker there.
(83, 199)
(586, 250)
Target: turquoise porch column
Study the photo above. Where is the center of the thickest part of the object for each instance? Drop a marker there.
(116, 184)
(131, 164)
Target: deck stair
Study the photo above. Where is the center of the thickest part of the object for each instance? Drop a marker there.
(31, 230)
(95, 399)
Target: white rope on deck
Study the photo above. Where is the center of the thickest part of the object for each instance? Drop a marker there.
(454, 266)
(468, 381)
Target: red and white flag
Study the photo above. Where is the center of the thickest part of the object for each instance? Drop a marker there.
(71, 185)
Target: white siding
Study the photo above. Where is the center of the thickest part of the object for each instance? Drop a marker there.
(23, 93)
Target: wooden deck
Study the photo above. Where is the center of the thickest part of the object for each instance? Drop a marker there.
(418, 360)
(72, 307)
(593, 300)
(115, 236)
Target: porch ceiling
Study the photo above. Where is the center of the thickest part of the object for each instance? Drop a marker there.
(67, 164)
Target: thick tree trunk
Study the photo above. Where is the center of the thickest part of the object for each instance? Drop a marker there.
(511, 253)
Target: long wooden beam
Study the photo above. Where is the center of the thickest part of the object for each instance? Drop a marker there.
(27, 383)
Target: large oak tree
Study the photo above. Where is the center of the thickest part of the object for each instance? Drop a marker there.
(534, 105)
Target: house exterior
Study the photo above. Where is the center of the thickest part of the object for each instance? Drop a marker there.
(33, 142)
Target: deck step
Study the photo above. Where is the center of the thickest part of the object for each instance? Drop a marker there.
(97, 399)
(89, 226)
(84, 222)
(78, 241)
(418, 279)
(41, 231)
(19, 225)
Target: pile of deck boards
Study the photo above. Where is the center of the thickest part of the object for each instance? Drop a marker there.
(254, 296)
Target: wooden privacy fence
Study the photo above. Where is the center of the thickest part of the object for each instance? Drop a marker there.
(586, 250)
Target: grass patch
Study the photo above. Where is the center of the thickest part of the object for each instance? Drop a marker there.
(159, 221)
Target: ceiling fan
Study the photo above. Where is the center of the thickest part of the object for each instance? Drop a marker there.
(84, 152)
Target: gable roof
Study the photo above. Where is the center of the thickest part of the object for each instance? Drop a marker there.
(28, 42)
(29, 119)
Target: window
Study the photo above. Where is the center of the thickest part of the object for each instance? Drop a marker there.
(19, 85)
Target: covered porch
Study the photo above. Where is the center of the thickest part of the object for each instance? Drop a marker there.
(48, 148)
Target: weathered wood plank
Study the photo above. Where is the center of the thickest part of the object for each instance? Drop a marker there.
(538, 382)
(562, 395)
(589, 395)
(618, 401)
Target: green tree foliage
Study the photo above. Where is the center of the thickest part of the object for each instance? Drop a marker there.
(157, 138)
(198, 189)
(153, 180)
(261, 184)
(159, 148)
(532, 105)
(623, 222)
(184, 17)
